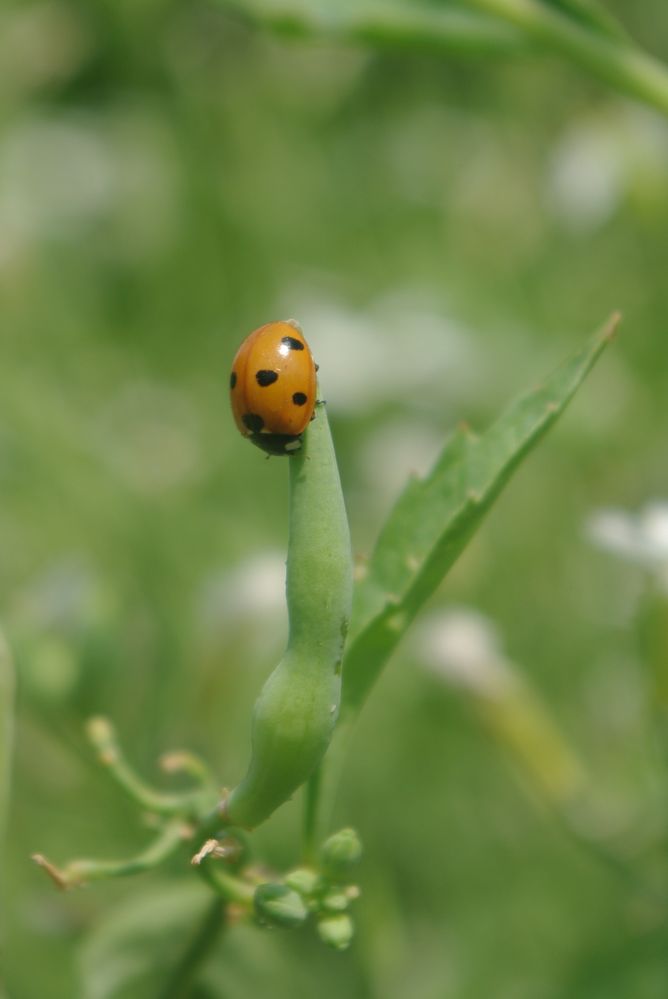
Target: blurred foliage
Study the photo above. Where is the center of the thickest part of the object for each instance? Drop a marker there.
(446, 229)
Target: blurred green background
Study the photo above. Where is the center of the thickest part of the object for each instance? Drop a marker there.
(446, 229)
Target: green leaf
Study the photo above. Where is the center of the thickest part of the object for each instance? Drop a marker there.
(6, 746)
(580, 30)
(591, 14)
(435, 518)
(609, 56)
(386, 23)
(131, 952)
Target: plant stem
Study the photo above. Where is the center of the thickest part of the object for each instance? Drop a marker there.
(101, 733)
(580, 30)
(594, 14)
(615, 860)
(320, 800)
(231, 888)
(184, 762)
(79, 872)
(6, 744)
(624, 66)
(387, 23)
(310, 804)
(197, 951)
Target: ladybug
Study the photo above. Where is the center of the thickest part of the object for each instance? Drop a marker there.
(273, 387)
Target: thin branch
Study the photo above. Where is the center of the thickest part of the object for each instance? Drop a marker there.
(80, 872)
(390, 23)
(578, 29)
(198, 950)
(6, 747)
(102, 735)
(230, 887)
(624, 66)
(594, 14)
(182, 761)
(311, 814)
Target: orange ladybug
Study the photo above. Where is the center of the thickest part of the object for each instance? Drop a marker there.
(273, 387)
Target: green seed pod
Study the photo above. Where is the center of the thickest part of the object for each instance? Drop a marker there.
(296, 711)
(336, 931)
(280, 906)
(340, 852)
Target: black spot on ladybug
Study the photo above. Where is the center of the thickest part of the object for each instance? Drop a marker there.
(264, 377)
(292, 342)
(233, 380)
(299, 398)
(277, 443)
(253, 421)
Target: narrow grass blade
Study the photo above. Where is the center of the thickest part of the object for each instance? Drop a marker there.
(392, 23)
(6, 746)
(591, 14)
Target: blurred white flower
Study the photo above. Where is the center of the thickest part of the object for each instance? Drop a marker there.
(53, 175)
(640, 538)
(66, 597)
(394, 451)
(240, 613)
(598, 160)
(252, 590)
(53, 171)
(401, 347)
(462, 646)
(62, 174)
(586, 177)
(51, 614)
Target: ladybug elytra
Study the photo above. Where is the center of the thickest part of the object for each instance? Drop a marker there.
(273, 387)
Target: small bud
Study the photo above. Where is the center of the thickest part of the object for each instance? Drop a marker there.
(341, 852)
(303, 880)
(99, 729)
(335, 901)
(279, 905)
(336, 931)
